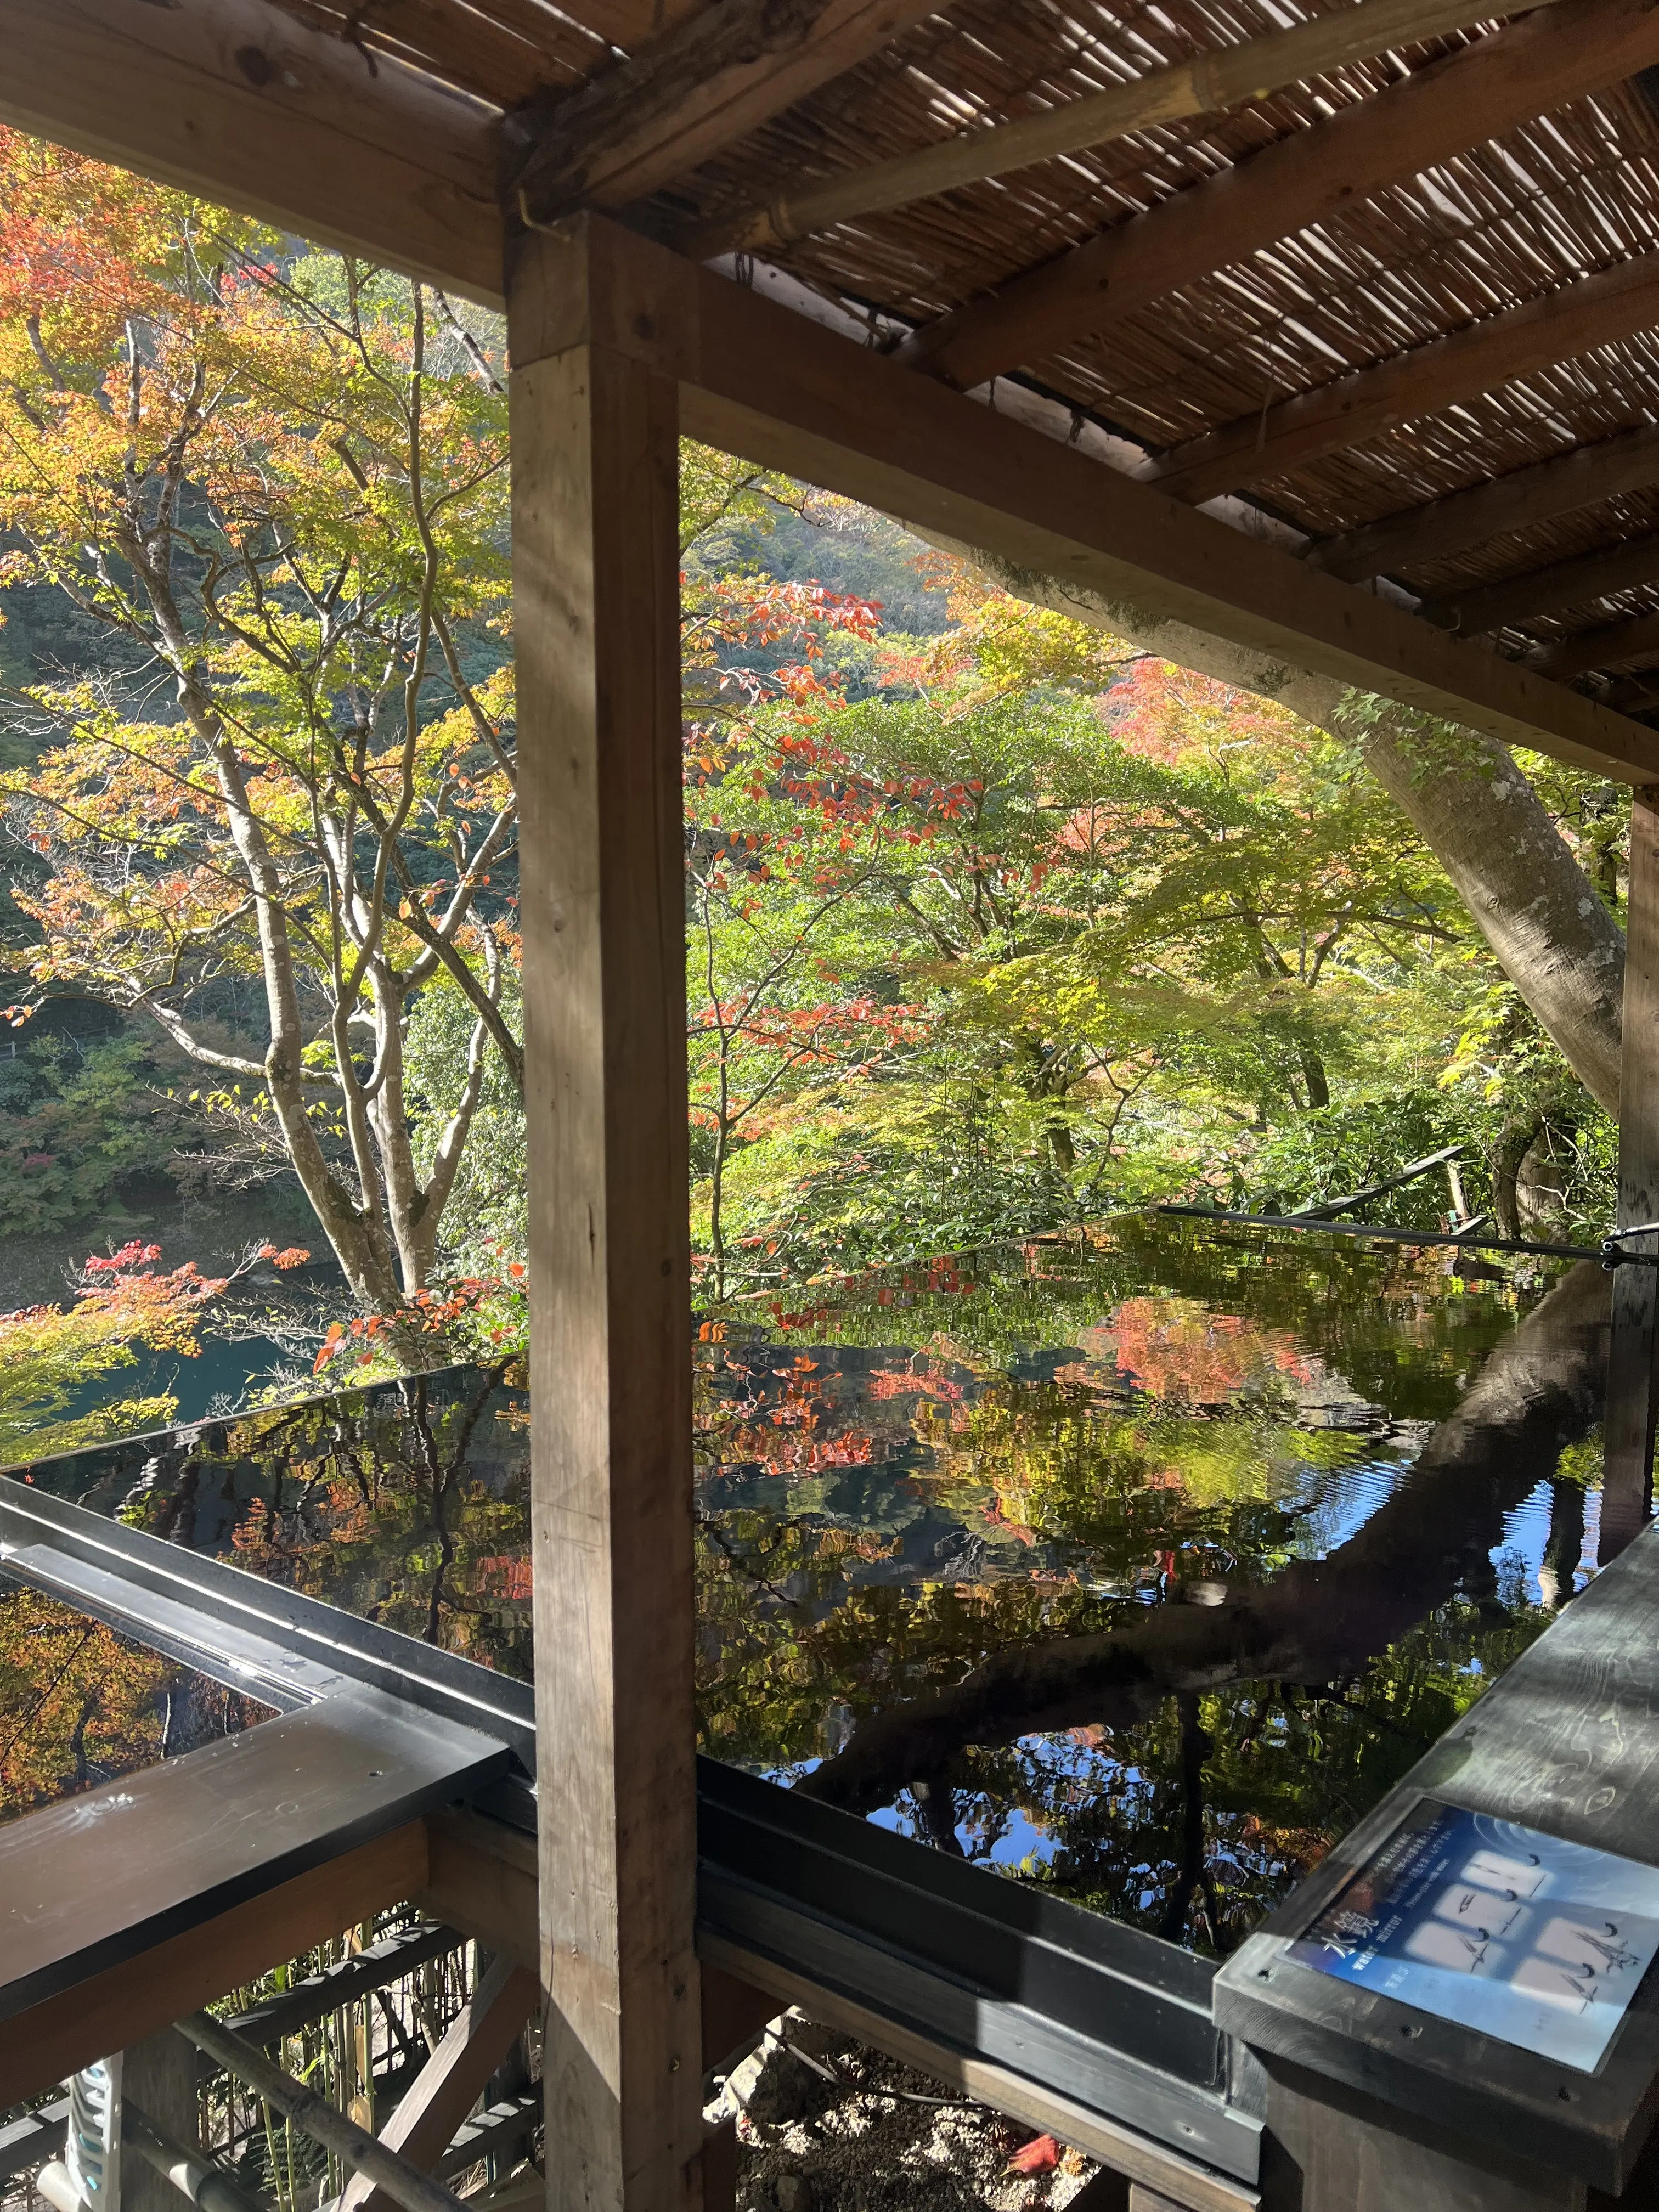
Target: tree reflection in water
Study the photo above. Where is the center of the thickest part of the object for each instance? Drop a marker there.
(80, 1705)
(1139, 1565)
(1152, 1611)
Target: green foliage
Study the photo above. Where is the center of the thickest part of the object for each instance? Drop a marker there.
(76, 1127)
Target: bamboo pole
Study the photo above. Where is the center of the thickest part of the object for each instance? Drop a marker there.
(1201, 85)
(314, 2117)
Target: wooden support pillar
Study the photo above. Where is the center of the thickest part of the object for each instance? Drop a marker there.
(159, 2076)
(1628, 1429)
(596, 595)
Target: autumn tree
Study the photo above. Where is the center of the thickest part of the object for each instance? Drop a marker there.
(1546, 917)
(53, 1358)
(275, 817)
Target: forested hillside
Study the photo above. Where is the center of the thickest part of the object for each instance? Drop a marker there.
(995, 920)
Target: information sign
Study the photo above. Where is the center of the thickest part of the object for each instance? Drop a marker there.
(1513, 1933)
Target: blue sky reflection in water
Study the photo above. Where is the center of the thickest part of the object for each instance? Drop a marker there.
(1141, 1565)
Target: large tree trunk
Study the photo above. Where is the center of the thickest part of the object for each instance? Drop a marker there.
(1473, 807)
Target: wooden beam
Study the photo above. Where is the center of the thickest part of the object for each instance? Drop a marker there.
(1561, 53)
(481, 1879)
(1202, 84)
(127, 2002)
(1561, 325)
(1628, 1427)
(239, 101)
(1635, 695)
(1585, 578)
(1196, 2187)
(595, 449)
(759, 380)
(1580, 477)
(1613, 645)
(431, 2111)
(686, 96)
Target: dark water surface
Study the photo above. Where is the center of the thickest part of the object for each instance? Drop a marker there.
(1139, 1565)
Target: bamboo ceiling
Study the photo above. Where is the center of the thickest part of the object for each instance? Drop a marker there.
(1554, 199)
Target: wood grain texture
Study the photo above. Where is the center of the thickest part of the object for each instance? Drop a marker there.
(144, 1995)
(686, 96)
(239, 102)
(1579, 478)
(595, 493)
(1576, 47)
(759, 380)
(482, 1879)
(1560, 326)
(430, 2112)
(1629, 1428)
(159, 2076)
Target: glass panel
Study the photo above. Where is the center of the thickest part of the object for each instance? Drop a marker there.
(1139, 1565)
(80, 1705)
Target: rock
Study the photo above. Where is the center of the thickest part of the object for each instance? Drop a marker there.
(774, 2085)
(792, 2192)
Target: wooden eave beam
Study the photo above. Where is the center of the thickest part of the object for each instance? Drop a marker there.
(1559, 55)
(757, 380)
(1572, 583)
(126, 2003)
(1578, 478)
(1203, 84)
(699, 88)
(1613, 645)
(1560, 326)
(239, 102)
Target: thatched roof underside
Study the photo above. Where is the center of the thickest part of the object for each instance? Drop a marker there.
(1548, 202)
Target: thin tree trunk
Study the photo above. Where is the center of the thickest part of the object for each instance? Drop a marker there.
(1547, 924)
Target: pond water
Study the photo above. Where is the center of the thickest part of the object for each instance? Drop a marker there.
(1140, 1564)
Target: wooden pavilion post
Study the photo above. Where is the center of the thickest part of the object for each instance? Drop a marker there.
(1628, 1429)
(596, 593)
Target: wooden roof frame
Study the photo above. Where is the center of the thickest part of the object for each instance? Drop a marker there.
(234, 100)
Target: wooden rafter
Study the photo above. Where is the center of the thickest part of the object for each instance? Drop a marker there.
(1577, 478)
(1202, 84)
(1572, 583)
(1612, 645)
(701, 87)
(760, 381)
(1633, 694)
(236, 99)
(1559, 54)
(1561, 325)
